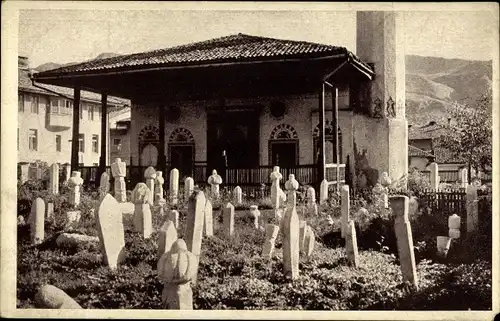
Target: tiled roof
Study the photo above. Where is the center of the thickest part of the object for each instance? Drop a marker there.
(429, 131)
(417, 152)
(233, 48)
(25, 84)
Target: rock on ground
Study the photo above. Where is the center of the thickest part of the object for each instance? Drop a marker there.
(73, 240)
(51, 297)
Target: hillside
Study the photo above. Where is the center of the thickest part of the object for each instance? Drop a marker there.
(432, 84)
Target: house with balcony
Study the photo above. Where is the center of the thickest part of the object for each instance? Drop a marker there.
(119, 135)
(45, 122)
(242, 104)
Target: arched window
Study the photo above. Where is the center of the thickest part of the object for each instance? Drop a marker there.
(181, 135)
(284, 146)
(330, 150)
(149, 138)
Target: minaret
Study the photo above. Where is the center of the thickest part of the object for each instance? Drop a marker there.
(381, 130)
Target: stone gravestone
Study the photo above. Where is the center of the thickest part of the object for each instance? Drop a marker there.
(174, 217)
(255, 215)
(399, 205)
(74, 183)
(472, 209)
(433, 167)
(177, 269)
(67, 171)
(166, 237)
(291, 187)
(380, 196)
(37, 221)
(54, 179)
(302, 235)
(228, 219)
(194, 222)
(119, 170)
(351, 244)
(385, 180)
(443, 246)
(208, 225)
(454, 226)
(464, 180)
(311, 205)
(50, 211)
(150, 176)
(323, 192)
(104, 184)
(51, 297)
(188, 187)
(141, 197)
(237, 195)
(111, 231)
(309, 242)
(345, 203)
(275, 187)
(291, 243)
(174, 186)
(214, 180)
(271, 235)
(159, 200)
(72, 219)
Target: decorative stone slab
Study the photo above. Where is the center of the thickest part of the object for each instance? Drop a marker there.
(37, 221)
(255, 215)
(228, 219)
(443, 245)
(237, 195)
(166, 237)
(177, 269)
(270, 241)
(323, 192)
(70, 240)
(208, 225)
(351, 244)
(50, 211)
(173, 216)
(291, 243)
(188, 187)
(309, 242)
(399, 205)
(194, 222)
(111, 231)
(51, 297)
(72, 219)
(174, 185)
(345, 208)
(54, 179)
(302, 235)
(104, 185)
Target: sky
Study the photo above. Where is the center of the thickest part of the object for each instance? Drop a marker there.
(62, 36)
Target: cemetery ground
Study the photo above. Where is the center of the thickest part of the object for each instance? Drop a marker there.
(232, 272)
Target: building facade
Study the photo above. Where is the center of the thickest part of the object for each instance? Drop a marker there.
(241, 104)
(45, 112)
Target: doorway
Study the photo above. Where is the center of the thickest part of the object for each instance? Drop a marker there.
(232, 140)
(284, 153)
(182, 158)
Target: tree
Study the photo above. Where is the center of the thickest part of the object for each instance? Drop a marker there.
(469, 136)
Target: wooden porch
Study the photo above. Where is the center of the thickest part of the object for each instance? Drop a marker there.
(247, 178)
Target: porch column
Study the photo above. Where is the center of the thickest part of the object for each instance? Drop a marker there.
(104, 131)
(162, 160)
(76, 128)
(321, 158)
(335, 105)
